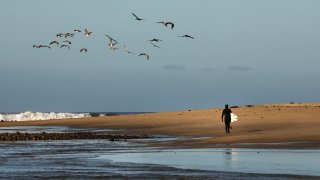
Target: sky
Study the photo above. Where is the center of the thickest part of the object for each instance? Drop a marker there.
(244, 52)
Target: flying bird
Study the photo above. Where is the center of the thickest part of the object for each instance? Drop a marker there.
(154, 44)
(137, 18)
(77, 30)
(68, 35)
(112, 46)
(67, 41)
(144, 54)
(65, 46)
(155, 40)
(187, 36)
(169, 23)
(84, 49)
(59, 35)
(87, 33)
(54, 42)
(127, 51)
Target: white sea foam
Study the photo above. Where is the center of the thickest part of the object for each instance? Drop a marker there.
(30, 116)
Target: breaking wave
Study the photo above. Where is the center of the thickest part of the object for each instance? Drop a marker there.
(30, 116)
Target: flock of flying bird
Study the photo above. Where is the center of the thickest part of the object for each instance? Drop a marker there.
(112, 43)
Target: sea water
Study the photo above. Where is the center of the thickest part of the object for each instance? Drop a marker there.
(30, 116)
(265, 161)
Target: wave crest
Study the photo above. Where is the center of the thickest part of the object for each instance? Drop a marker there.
(31, 116)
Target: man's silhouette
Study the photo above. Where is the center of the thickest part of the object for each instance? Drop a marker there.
(226, 116)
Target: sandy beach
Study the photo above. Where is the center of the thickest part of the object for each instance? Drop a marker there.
(262, 126)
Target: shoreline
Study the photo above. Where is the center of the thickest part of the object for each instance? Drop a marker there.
(259, 126)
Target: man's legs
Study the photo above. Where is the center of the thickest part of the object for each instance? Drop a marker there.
(227, 126)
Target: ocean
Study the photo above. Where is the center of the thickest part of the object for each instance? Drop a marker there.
(30, 116)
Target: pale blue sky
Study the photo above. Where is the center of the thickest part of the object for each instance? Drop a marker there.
(244, 52)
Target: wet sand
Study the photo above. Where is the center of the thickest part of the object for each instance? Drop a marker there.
(259, 126)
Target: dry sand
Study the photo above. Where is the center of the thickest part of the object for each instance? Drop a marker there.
(272, 125)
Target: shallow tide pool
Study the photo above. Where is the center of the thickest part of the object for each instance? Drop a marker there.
(267, 161)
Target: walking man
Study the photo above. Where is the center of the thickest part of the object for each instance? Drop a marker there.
(226, 116)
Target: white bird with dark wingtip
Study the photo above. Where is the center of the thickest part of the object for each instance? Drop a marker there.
(187, 36)
(54, 42)
(59, 35)
(68, 35)
(144, 54)
(87, 33)
(84, 50)
(112, 45)
(127, 51)
(65, 46)
(155, 40)
(77, 30)
(137, 18)
(169, 23)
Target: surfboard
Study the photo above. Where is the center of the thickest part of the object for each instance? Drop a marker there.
(234, 117)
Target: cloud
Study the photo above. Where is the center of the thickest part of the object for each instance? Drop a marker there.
(239, 68)
(174, 67)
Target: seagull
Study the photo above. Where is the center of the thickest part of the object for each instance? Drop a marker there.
(67, 41)
(59, 35)
(137, 18)
(112, 46)
(68, 35)
(84, 49)
(167, 23)
(65, 46)
(87, 33)
(187, 36)
(144, 54)
(127, 51)
(156, 40)
(54, 42)
(154, 44)
(77, 30)
(36, 46)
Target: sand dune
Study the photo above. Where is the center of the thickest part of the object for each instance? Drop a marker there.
(268, 125)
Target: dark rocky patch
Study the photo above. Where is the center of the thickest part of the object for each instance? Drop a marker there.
(66, 136)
